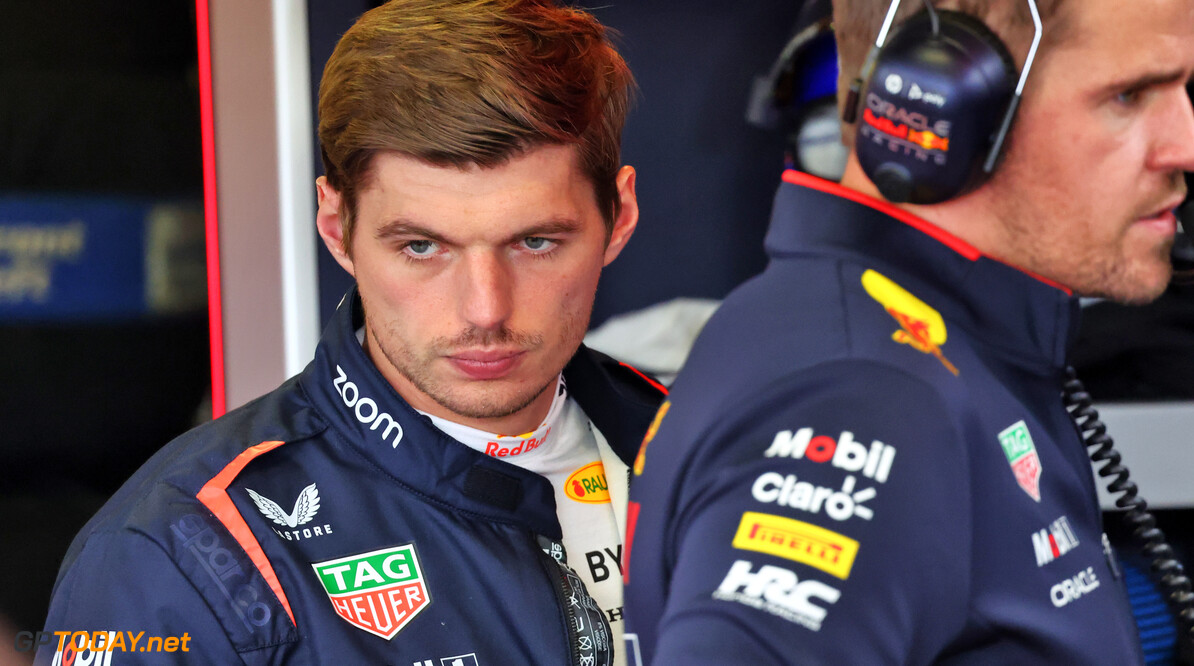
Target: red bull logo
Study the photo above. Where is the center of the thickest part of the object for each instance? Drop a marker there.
(921, 327)
(520, 444)
(885, 125)
(912, 129)
(928, 140)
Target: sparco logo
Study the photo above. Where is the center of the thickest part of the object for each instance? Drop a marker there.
(365, 409)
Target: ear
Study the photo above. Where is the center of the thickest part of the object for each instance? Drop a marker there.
(627, 219)
(327, 220)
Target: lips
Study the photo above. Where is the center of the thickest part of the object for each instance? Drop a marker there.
(1163, 219)
(486, 364)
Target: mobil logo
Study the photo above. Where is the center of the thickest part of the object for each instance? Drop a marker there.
(1054, 541)
(588, 484)
(379, 591)
(844, 452)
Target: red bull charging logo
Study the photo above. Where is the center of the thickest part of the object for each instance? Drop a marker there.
(921, 327)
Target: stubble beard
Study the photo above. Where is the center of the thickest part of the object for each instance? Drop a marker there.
(476, 399)
(1104, 270)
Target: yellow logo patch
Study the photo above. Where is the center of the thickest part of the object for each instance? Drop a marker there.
(921, 327)
(588, 484)
(798, 541)
(641, 458)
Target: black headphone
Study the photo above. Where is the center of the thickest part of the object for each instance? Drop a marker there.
(798, 95)
(940, 98)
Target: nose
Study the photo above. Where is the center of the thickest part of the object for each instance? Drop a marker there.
(486, 290)
(1175, 147)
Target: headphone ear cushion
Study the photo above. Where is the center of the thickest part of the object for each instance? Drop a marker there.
(814, 144)
(932, 107)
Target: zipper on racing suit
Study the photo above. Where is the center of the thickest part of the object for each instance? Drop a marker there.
(589, 635)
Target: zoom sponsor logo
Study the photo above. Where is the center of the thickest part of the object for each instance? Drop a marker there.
(775, 488)
(365, 409)
(844, 452)
(777, 591)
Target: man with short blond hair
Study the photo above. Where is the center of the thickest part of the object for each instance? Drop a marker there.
(446, 481)
(867, 458)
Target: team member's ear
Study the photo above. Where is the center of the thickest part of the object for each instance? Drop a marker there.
(627, 219)
(327, 220)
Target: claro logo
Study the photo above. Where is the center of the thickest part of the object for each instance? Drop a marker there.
(365, 409)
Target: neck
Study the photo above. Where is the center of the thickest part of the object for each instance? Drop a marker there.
(970, 217)
(523, 421)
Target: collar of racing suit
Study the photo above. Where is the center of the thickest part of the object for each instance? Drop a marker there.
(1029, 319)
(369, 415)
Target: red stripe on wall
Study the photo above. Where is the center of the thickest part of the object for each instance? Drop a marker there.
(207, 124)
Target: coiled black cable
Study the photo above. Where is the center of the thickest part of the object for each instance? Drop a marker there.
(1166, 569)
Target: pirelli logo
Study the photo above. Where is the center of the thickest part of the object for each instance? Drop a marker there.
(798, 541)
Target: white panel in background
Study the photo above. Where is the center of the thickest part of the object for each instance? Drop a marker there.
(296, 173)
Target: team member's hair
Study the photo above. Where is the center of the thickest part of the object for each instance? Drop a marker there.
(856, 24)
(472, 82)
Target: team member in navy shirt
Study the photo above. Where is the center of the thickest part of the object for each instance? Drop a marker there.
(445, 483)
(867, 459)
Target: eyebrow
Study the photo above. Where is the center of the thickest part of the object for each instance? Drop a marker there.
(1150, 80)
(404, 228)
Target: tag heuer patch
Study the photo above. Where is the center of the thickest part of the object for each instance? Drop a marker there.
(380, 591)
(1022, 456)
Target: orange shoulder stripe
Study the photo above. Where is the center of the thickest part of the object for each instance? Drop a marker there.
(214, 495)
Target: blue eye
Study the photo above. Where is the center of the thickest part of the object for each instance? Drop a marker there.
(538, 243)
(420, 248)
(1128, 97)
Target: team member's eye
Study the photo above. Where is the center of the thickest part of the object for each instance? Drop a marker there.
(420, 249)
(538, 244)
(1128, 97)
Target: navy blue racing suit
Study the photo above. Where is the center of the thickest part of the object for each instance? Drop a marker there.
(330, 523)
(866, 460)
